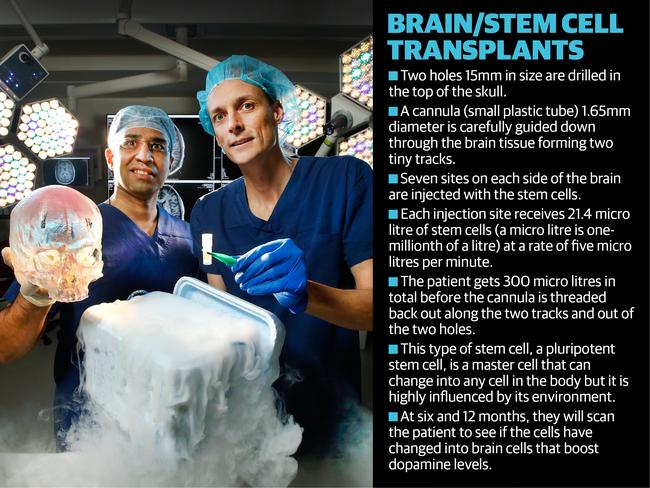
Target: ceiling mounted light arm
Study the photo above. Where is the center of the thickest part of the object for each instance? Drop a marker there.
(328, 144)
(20, 69)
(126, 26)
(340, 121)
(146, 80)
(134, 29)
(40, 49)
(347, 117)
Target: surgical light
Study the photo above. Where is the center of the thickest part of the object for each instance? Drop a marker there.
(47, 128)
(355, 73)
(309, 125)
(17, 175)
(7, 108)
(358, 145)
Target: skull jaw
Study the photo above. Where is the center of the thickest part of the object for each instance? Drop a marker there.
(64, 287)
(70, 294)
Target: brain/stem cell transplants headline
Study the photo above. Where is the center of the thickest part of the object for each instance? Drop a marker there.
(496, 24)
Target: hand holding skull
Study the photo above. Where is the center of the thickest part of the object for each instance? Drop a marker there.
(33, 294)
(55, 239)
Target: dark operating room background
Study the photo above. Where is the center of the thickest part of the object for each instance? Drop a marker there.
(304, 39)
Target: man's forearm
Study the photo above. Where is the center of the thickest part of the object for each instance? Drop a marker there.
(351, 309)
(21, 324)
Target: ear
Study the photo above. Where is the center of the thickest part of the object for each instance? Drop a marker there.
(108, 154)
(278, 112)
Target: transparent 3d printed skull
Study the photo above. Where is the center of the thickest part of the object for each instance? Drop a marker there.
(56, 242)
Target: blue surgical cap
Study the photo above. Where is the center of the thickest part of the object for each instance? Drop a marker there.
(149, 118)
(269, 79)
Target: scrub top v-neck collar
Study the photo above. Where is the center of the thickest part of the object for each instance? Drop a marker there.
(122, 215)
(286, 197)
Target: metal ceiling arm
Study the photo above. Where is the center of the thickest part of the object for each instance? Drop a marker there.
(134, 29)
(347, 116)
(147, 80)
(128, 27)
(40, 49)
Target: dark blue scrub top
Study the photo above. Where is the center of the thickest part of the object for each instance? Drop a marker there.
(326, 208)
(133, 261)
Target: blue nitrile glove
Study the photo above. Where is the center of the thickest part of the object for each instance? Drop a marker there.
(278, 268)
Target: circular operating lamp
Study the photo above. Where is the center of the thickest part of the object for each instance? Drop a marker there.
(17, 174)
(7, 108)
(358, 145)
(311, 108)
(47, 128)
(355, 73)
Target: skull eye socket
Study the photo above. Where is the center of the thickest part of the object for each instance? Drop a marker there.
(49, 260)
(87, 256)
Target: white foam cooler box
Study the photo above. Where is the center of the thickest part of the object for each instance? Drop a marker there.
(175, 359)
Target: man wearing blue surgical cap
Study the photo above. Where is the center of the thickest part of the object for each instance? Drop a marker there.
(143, 247)
(302, 229)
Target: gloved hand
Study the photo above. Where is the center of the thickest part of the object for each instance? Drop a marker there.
(36, 295)
(30, 292)
(278, 268)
